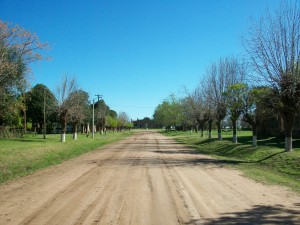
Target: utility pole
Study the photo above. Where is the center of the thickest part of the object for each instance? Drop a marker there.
(25, 123)
(93, 125)
(93, 131)
(44, 130)
(99, 96)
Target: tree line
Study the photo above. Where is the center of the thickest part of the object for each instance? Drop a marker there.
(39, 109)
(264, 83)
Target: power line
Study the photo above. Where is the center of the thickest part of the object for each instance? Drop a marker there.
(131, 106)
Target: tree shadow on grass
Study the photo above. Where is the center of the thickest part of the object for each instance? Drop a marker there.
(276, 142)
(243, 149)
(22, 140)
(269, 157)
(227, 148)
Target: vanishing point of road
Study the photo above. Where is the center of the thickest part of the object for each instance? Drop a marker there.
(145, 179)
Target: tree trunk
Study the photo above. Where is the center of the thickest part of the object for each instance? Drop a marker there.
(88, 128)
(44, 130)
(210, 122)
(254, 134)
(63, 137)
(75, 127)
(63, 131)
(196, 128)
(234, 138)
(202, 129)
(40, 128)
(288, 123)
(219, 130)
(288, 144)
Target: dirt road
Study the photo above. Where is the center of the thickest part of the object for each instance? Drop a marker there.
(145, 179)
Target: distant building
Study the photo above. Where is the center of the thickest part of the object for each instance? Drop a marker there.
(144, 123)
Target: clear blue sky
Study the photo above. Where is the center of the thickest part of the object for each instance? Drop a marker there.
(135, 52)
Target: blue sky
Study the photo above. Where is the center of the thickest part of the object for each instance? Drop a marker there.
(135, 52)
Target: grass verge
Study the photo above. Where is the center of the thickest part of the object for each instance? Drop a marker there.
(267, 163)
(23, 156)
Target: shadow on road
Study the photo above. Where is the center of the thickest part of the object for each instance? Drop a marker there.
(259, 215)
(180, 156)
(172, 162)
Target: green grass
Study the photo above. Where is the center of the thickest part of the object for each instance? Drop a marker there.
(22, 156)
(267, 163)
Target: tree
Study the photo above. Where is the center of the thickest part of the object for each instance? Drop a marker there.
(35, 105)
(218, 81)
(234, 100)
(273, 47)
(209, 106)
(65, 99)
(160, 114)
(102, 110)
(197, 103)
(79, 109)
(123, 119)
(250, 111)
(231, 72)
(113, 113)
(168, 113)
(10, 109)
(18, 49)
(188, 118)
(255, 109)
(111, 122)
(10, 106)
(20, 45)
(226, 72)
(129, 125)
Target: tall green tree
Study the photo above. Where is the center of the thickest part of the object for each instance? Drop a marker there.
(169, 112)
(255, 108)
(235, 95)
(251, 111)
(38, 97)
(111, 122)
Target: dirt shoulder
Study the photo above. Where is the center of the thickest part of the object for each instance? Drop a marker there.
(146, 179)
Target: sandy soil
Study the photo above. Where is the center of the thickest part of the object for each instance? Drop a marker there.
(145, 179)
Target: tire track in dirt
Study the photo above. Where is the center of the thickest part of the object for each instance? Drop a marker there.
(220, 191)
(70, 190)
(174, 183)
(97, 214)
(62, 204)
